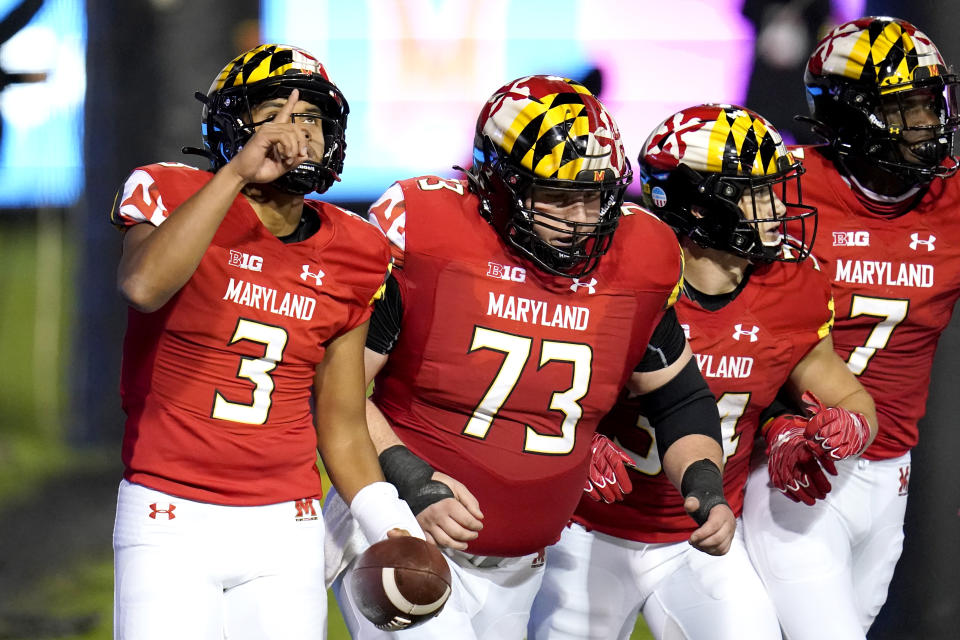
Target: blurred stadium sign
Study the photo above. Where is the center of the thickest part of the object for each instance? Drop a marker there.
(42, 85)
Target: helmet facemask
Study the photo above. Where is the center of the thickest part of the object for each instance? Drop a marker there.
(873, 128)
(864, 79)
(227, 120)
(550, 135)
(519, 221)
(712, 216)
(701, 164)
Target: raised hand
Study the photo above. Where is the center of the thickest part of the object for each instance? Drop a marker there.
(793, 461)
(275, 148)
(607, 480)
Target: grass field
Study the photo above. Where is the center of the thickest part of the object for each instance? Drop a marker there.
(67, 587)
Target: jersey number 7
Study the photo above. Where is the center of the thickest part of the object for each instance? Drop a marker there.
(891, 313)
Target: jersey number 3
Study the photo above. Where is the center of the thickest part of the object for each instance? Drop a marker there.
(257, 370)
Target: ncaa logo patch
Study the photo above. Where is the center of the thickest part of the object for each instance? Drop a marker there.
(659, 196)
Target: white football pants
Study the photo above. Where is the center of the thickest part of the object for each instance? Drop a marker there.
(197, 571)
(595, 585)
(827, 567)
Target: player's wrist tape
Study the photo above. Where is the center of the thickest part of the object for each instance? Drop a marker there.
(412, 477)
(703, 481)
(378, 509)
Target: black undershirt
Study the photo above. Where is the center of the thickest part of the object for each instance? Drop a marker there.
(714, 302)
(309, 224)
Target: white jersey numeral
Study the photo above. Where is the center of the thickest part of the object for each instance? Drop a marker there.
(427, 184)
(891, 313)
(516, 350)
(257, 370)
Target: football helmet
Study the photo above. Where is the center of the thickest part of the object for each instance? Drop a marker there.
(699, 162)
(549, 132)
(864, 65)
(264, 73)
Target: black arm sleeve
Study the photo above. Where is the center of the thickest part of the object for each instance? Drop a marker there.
(666, 344)
(385, 321)
(684, 406)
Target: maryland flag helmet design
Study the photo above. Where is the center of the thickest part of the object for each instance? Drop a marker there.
(264, 73)
(549, 132)
(719, 174)
(868, 80)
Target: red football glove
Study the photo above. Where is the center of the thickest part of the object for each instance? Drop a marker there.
(836, 432)
(608, 480)
(793, 462)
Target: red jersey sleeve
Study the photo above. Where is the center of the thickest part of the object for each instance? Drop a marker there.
(389, 214)
(143, 194)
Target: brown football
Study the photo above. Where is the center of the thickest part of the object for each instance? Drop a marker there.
(400, 582)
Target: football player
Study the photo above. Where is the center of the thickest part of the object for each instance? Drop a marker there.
(522, 302)
(757, 315)
(881, 94)
(245, 301)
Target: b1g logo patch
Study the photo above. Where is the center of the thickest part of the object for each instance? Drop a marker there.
(506, 272)
(245, 260)
(851, 238)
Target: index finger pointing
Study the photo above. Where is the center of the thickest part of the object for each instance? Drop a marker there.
(283, 116)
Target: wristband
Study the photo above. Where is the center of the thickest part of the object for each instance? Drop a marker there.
(412, 477)
(703, 481)
(378, 509)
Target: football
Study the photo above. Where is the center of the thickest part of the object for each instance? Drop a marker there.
(400, 582)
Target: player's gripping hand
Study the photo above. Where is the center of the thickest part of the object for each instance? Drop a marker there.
(452, 522)
(275, 148)
(837, 433)
(715, 535)
(793, 462)
(607, 480)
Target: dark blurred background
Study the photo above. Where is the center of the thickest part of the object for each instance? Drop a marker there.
(61, 320)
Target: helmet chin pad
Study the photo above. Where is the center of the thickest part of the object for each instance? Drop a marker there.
(306, 178)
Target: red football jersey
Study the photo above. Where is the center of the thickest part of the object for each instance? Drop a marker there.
(746, 351)
(217, 383)
(502, 372)
(895, 282)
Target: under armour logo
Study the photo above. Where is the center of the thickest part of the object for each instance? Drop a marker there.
(904, 480)
(915, 241)
(591, 286)
(305, 510)
(740, 332)
(168, 511)
(308, 274)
